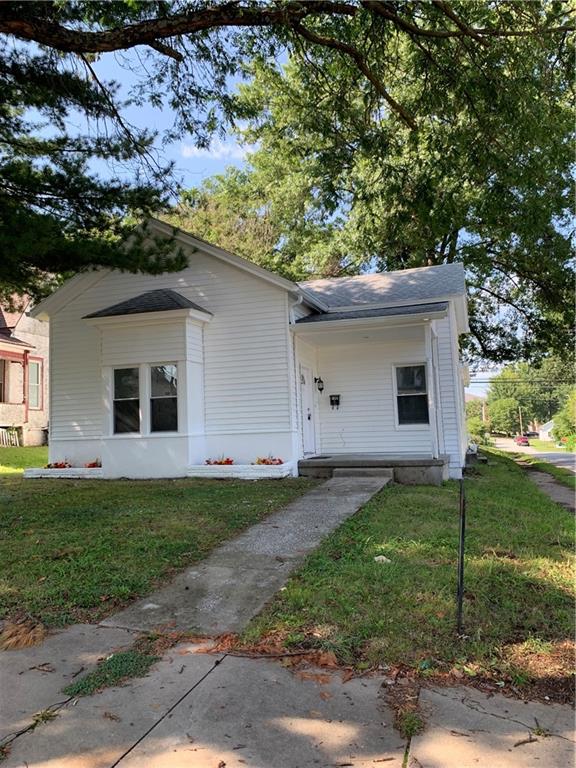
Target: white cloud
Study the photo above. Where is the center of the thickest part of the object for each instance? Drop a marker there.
(218, 150)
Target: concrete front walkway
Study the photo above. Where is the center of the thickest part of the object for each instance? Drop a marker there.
(222, 593)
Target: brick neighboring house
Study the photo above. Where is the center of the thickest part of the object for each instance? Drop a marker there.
(23, 372)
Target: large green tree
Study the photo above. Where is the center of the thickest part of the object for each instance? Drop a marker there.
(484, 178)
(540, 391)
(397, 134)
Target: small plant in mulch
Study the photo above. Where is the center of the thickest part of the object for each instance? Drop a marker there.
(93, 464)
(58, 465)
(270, 460)
(222, 461)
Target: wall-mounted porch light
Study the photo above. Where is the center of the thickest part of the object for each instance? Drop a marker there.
(319, 383)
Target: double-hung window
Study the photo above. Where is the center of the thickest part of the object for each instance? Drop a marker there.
(411, 395)
(164, 398)
(35, 384)
(126, 400)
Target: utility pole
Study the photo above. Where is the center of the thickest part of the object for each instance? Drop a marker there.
(520, 416)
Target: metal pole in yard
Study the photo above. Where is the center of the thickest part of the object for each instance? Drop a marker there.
(460, 593)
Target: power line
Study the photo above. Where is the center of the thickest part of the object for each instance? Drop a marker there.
(521, 381)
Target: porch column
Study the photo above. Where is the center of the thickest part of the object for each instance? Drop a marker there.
(432, 407)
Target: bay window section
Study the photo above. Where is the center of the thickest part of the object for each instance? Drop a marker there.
(164, 398)
(411, 395)
(126, 400)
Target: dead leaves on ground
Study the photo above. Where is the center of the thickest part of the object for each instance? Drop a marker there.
(272, 647)
(21, 634)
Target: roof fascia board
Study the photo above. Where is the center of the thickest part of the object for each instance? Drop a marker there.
(69, 291)
(148, 318)
(365, 323)
(10, 346)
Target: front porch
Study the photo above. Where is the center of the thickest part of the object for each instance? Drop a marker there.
(406, 470)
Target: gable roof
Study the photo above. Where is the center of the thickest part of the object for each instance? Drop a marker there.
(161, 300)
(546, 427)
(409, 286)
(9, 319)
(406, 285)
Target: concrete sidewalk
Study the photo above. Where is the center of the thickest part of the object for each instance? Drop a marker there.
(207, 711)
(222, 593)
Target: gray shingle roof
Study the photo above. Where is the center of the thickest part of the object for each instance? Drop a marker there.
(420, 284)
(161, 300)
(358, 314)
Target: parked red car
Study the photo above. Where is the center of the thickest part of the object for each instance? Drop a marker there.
(521, 440)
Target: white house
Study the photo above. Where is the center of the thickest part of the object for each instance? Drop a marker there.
(153, 375)
(545, 431)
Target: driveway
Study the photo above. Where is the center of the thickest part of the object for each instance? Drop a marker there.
(559, 458)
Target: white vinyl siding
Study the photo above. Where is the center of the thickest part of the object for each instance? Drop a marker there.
(150, 343)
(245, 348)
(362, 374)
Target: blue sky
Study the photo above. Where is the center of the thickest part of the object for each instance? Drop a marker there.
(193, 164)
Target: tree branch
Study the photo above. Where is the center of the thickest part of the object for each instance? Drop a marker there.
(464, 28)
(14, 21)
(356, 56)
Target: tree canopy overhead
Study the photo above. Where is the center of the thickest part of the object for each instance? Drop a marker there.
(388, 134)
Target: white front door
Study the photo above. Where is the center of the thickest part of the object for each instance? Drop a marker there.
(307, 407)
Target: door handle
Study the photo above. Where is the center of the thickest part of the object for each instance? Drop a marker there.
(309, 415)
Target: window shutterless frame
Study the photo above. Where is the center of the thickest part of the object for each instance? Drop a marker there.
(410, 385)
(126, 415)
(35, 379)
(164, 397)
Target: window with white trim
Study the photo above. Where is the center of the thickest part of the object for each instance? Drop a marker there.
(126, 400)
(35, 384)
(411, 395)
(3, 381)
(164, 398)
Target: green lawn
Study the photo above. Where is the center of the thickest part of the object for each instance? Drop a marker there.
(519, 601)
(73, 550)
(545, 445)
(14, 460)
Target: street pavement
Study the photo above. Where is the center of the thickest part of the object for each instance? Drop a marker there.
(559, 458)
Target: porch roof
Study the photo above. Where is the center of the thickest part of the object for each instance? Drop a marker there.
(13, 341)
(362, 314)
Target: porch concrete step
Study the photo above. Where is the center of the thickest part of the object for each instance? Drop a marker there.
(363, 472)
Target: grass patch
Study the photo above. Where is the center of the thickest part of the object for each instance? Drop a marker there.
(112, 671)
(74, 550)
(519, 581)
(547, 445)
(16, 460)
